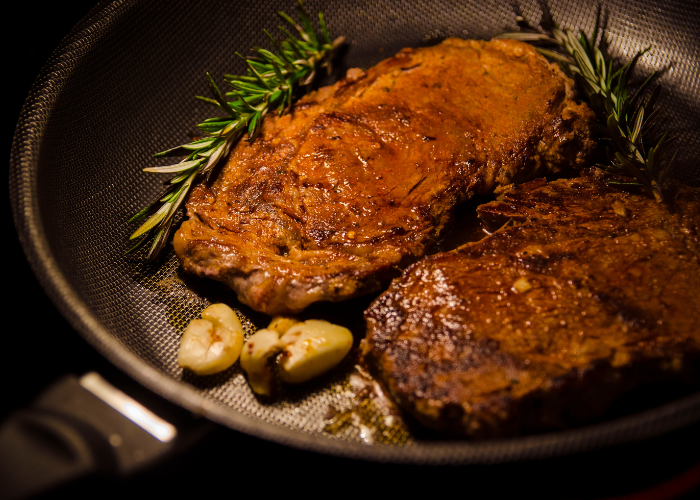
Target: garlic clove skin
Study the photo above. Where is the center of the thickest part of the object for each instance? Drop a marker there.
(312, 348)
(255, 359)
(213, 343)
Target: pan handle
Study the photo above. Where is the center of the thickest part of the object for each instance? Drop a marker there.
(81, 427)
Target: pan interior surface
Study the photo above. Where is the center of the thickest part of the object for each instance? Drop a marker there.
(121, 87)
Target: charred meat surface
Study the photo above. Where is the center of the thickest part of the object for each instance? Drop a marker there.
(584, 294)
(363, 175)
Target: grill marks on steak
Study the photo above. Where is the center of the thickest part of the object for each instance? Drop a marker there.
(363, 176)
(587, 293)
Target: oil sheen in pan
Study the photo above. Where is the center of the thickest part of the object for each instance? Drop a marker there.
(344, 403)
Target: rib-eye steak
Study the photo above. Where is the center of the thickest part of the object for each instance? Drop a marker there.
(363, 176)
(585, 294)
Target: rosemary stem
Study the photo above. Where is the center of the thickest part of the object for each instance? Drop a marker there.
(622, 121)
(269, 82)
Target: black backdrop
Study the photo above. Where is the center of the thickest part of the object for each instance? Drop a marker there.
(229, 461)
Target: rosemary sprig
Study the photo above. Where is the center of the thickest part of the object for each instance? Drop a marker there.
(635, 146)
(268, 85)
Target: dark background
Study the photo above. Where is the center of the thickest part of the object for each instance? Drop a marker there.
(39, 346)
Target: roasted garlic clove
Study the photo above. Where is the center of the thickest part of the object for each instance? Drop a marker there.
(281, 324)
(312, 348)
(213, 343)
(255, 359)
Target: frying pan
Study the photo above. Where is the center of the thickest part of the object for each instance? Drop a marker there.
(120, 88)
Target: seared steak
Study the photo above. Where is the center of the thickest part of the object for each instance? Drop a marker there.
(363, 176)
(587, 293)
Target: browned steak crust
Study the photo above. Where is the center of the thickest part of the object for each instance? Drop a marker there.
(364, 175)
(589, 292)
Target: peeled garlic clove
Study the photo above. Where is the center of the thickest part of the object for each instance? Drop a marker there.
(213, 343)
(281, 324)
(222, 316)
(255, 359)
(312, 348)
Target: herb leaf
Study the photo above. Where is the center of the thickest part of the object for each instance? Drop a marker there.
(625, 124)
(268, 85)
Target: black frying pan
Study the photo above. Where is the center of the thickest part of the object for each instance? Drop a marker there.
(126, 75)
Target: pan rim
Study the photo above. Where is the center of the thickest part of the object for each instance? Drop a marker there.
(24, 166)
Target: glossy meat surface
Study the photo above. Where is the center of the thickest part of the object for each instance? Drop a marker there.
(587, 293)
(363, 176)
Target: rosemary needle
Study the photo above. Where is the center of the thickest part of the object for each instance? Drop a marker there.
(268, 85)
(635, 147)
